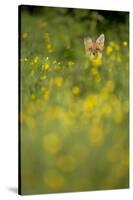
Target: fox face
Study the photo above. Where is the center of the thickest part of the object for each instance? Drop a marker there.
(94, 48)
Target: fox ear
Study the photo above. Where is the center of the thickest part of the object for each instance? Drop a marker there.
(100, 41)
(88, 44)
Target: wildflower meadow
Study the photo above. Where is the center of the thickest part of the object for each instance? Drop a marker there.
(74, 111)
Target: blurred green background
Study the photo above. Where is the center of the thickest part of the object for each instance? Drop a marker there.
(74, 109)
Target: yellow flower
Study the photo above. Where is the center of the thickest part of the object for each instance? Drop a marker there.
(25, 59)
(70, 63)
(58, 113)
(52, 143)
(43, 77)
(109, 50)
(43, 88)
(48, 42)
(24, 35)
(47, 58)
(58, 81)
(45, 66)
(125, 43)
(108, 88)
(90, 102)
(46, 94)
(75, 90)
(49, 46)
(92, 57)
(36, 59)
(97, 61)
(66, 163)
(53, 180)
(112, 43)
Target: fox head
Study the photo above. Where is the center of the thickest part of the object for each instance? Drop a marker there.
(94, 48)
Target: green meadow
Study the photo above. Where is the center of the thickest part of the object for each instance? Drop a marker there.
(74, 114)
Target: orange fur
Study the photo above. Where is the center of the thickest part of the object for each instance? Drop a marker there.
(94, 48)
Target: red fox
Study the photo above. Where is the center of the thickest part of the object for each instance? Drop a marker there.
(94, 48)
